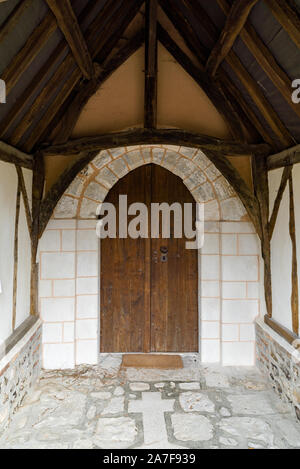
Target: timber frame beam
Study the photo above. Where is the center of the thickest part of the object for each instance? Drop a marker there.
(235, 22)
(161, 136)
(10, 154)
(68, 23)
(150, 118)
(287, 157)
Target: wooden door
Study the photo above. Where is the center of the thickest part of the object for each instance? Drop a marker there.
(149, 287)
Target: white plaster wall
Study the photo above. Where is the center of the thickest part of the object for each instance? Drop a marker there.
(296, 181)
(229, 296)
(24, 261)
(281, 252)
(8, 192)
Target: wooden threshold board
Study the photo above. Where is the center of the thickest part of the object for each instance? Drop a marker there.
(162, 362)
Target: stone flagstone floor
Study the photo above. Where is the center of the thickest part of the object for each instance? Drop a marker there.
(196, 407)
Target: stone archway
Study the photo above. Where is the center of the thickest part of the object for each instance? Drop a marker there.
(199, 174)
(229, 261)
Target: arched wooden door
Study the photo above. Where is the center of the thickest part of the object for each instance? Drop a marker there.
(149, 287)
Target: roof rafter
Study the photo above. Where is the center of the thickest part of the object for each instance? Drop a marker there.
(201, 78)
(236, 19)
(265, 59)
(69, 119)
(107, 37)
(68, 23)
(287, 17)
(242, 74)
(29, 51)
(13, 18)
(150, 116)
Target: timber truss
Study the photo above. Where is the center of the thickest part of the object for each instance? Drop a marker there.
(95, 40)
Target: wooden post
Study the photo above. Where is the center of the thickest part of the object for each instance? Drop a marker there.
(295, 291)
(37, 195)
(16, 257)
(261, 187)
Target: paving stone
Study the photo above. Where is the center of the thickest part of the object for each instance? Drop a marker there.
(248, 428)
(228, 441)
(115, 406)
(196, 402)
(251, 404)
(115, 433)
(192, 427)
(189, 386)
(159, 385)
(101, 395)
(139, 387)
(225, 412)
(119, 391)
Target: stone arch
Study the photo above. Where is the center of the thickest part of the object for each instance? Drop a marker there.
(199, 174)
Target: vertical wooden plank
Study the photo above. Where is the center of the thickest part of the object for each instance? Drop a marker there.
(295, 291)
(261, 187)
(151, 64)
(37, 195)
(16, 257)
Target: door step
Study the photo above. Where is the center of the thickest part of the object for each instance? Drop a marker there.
(162, 362)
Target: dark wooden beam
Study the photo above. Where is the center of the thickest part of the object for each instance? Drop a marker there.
(12, 20)
(107, 37)
(33, 89)
(295, 284)
(287, 157)
(150, 108)
(16, 258)
(29, 51)
(162, 136)
(235, 22)
(25, 198)
(68, 23)
(38, 183)
(281, 330)
(240, 187)
(265, 59)
(68, 121)
(287, 17)
(55, 193)
(241, 73)
(261, 189)
(12, 155)
(213, 90)
(284, 180)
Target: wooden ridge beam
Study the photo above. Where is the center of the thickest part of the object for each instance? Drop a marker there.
(236, 19)
(162, 136)
(150, 105)
(287, 157)
(68, 24)
(265, 59)
(12, 155)
(287, 17)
